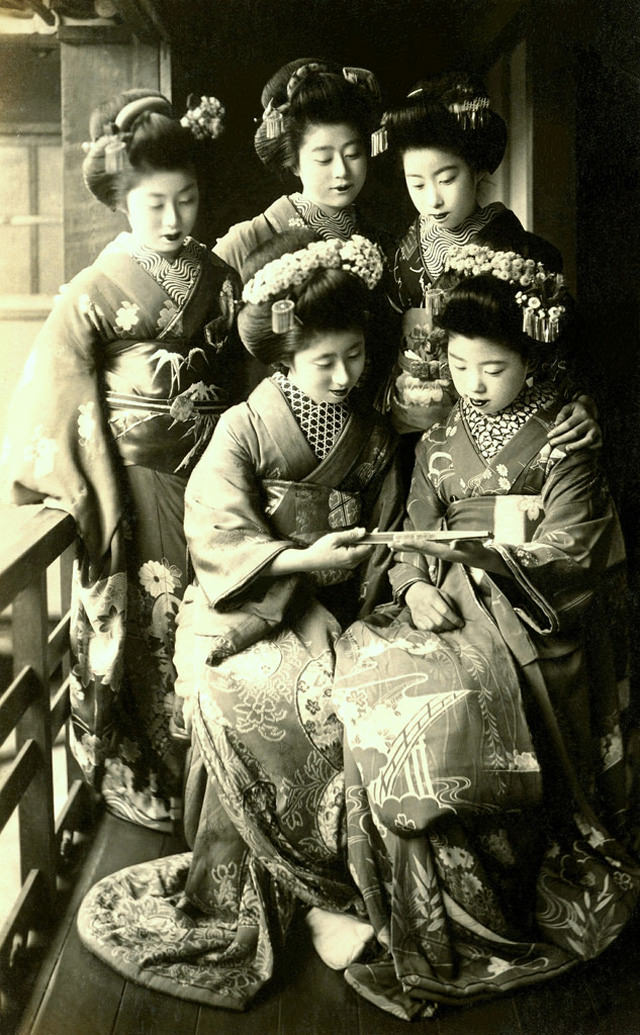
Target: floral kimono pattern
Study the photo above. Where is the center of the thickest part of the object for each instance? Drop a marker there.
(485, 766)
(421, 392)
(264, 806)
(117, 402)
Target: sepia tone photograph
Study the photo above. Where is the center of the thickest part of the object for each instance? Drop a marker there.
(319, 491)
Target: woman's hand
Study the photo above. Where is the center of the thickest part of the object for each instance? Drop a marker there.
(336, 550)
(576, 426)
(470, 552)
(431, 609)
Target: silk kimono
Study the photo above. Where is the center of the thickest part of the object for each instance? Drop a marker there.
(485, 766)
(264, 805)
(117, 402)
(421, 392)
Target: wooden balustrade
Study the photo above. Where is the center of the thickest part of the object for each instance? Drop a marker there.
(33, 538)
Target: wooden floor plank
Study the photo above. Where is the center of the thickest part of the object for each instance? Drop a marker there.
(562, 1006)
(117, 844)
(494, 1017)
(374, 1021)
(613, 984)
(145, 1012)
(314, 999)
(83, 995)
(262, 1019)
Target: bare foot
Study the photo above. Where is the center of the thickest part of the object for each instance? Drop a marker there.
(338, 939)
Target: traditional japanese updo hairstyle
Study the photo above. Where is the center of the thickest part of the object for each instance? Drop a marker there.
(328, 300)
(451, 113)
(136, 133)
(486, 307)
(310, 92)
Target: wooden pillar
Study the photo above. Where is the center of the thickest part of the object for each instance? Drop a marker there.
(91, 72)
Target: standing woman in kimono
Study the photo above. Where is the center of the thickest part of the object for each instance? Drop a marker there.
(449, 140)
(316, 127)
(275, 511)
(116, 403)
(484, 739)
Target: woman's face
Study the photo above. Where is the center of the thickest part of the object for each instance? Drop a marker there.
(328, 368)
(162, 210)
(487, 374)
(332, 165)
(441, 185)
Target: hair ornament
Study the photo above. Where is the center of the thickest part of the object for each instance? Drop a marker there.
(273, 118)
(470, 113)
(358, 256)
(205, 118)
(129, 113)
(541, 294)
(115, 155)
(380, 138)
(301, 73)
(363, 78)
(283, 315)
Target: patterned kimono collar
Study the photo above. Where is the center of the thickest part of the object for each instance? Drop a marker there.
(320, 423)
(176, 276)
(436, 240)
(341, 225)
(492, 433)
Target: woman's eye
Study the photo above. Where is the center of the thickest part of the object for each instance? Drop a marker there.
(352, 157)
(493, 373)
(445, 183)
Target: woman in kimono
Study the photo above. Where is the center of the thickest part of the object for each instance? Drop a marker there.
(448, 140)
(116, 403)
(316, 127)
(275, 511)
(483, 711)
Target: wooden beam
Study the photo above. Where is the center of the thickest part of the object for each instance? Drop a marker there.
(143, 19)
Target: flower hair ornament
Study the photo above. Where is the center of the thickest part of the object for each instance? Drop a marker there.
(273, 115)
(204, 120)
(358, 256)
(541, 294)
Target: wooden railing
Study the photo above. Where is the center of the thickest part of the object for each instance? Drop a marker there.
(33, 538)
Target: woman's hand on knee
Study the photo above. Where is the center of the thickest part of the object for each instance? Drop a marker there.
(431, 610)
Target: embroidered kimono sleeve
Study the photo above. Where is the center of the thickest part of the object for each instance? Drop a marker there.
(384, 510)
(230, 541)
(555, 575)
(425, 511)
(57, 443)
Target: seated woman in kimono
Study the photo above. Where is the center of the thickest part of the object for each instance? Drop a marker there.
(117, 402)
(274, 514)
(484, 748)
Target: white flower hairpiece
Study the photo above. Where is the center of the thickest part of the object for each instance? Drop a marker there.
(204, 118)
(358, 255)
(540, 291)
